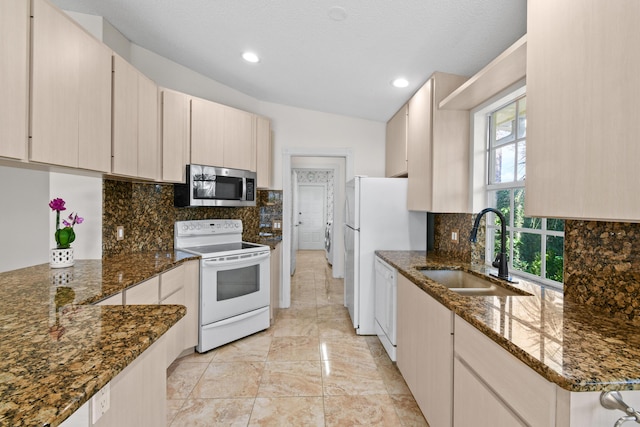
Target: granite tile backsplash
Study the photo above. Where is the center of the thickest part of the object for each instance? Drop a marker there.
(147, 213)
(602, 266)
(601, 260)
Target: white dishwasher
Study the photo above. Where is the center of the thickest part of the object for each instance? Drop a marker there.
(386, 305)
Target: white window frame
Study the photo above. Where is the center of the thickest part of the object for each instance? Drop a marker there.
(481, 196)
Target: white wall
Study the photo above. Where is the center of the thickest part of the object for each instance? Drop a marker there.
(83, 195)
(28, 224)
(24, 217)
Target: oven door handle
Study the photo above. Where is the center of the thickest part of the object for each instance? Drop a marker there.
(239, 260)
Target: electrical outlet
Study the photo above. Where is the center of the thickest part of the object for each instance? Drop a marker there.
(100, 403)
(454, 236)
(120, 232)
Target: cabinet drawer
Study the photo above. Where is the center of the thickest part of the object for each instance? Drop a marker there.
(527, 393)
(112, 300)
(143, 293)
(171, 281)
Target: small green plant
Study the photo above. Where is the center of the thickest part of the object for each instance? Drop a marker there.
(64, 236)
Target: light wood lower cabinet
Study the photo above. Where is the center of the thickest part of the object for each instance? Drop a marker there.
(116, 299)
(143, 293)
(70, 93)
(14, 84)
(489, 374)
(276, 276)
(476, 405)
(138, 393)
(425, 351)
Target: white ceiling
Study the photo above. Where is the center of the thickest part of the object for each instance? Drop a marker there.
(311, 61)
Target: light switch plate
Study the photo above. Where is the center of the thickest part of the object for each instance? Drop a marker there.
(100, 403)
(120, 232)
(455, 235)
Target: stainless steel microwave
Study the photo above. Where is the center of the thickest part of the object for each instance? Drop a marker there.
(215, 186)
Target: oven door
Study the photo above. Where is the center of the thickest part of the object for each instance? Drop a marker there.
(233, 285)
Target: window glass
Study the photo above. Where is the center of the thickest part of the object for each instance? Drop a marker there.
(527, 238)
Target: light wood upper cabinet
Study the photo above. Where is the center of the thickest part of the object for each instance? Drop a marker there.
(125, 118)
(175, 135)
(70, 93)
(396, 144)
(14, 78)
(583, 104)
(207, 132)
(239, 139)
(263, 152)
(437, 149)
(136, 146)
(149, 153)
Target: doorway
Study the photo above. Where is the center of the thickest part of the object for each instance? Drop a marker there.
(341, 161)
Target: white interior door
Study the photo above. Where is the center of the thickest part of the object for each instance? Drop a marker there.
(312, 214)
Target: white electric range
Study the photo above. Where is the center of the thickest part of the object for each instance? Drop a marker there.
(234, 280)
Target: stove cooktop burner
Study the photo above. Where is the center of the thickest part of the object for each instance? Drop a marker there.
(225, 248)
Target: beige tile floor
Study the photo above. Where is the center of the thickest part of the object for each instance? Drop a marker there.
(308, 369)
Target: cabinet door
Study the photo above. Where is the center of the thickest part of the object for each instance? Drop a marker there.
(450, 149)
(263, 151)
(94, 101)
(583, 102)
(419, 160)
(149, 155)
(54, 90)
(112, 300)
(207, 132)
(175, 135)
(71, 93)
(425, 351)
(143, 293)
(14, 78)
(176, 335)
(239, 139)
(396, 144)
(477, 406)
(192, 302)
(125, 118)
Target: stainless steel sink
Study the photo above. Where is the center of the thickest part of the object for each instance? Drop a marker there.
(468, 284)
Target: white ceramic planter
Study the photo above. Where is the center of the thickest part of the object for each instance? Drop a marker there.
(61, 258)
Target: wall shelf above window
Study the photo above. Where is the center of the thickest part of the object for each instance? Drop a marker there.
(508, 68)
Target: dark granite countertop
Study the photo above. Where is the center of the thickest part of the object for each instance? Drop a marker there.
(272, 242)
(566, 343)
(56, 349)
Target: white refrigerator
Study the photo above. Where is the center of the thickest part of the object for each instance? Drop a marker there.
(376, 219)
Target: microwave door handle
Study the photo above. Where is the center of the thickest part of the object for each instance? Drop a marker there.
(244, 188)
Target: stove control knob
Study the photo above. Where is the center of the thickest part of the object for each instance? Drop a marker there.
(237, 225)
(191, 227)
(198, 227)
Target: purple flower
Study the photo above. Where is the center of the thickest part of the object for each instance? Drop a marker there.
(57, 205)
(65, 223)
(79, 220)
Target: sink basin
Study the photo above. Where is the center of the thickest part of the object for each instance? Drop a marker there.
(464, 283)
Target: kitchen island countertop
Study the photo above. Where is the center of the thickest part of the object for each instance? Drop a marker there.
(566, 343)
(57, 349)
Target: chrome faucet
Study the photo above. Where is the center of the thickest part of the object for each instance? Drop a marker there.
(501, 259)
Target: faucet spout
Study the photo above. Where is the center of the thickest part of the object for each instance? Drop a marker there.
(501, 259)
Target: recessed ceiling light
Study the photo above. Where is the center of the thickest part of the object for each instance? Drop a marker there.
(337, 13)
(400, 82)
(250, 57)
